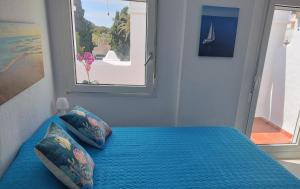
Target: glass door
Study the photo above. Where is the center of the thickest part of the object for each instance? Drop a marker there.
(274, 117)
(278, 104)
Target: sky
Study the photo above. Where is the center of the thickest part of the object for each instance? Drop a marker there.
(8, 29)
(96, 10)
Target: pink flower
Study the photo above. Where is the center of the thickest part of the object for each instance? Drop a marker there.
(89, 58)
(80, 58)
(87, 67)
(79, 155)
(89, 62)
(93, 122)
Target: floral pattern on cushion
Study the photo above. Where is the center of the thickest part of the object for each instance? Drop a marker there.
(62, 155)
(87, 126)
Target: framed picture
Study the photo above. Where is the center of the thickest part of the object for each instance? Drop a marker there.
(218, 31)
(21, 58)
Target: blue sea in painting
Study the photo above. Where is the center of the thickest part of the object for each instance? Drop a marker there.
(218, 31)
(13, 47)
(225, 29)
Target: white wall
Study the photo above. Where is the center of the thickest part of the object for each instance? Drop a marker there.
(292, 85)
(138, 21)
(190, 90)
(21, 116)
(249, 71)
(210, 87)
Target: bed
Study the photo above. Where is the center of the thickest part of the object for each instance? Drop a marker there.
(206, 157)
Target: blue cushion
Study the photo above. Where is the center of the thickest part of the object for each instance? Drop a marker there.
(87, 126)
(65, 158)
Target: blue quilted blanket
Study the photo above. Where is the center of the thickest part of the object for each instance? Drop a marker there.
(209, 157)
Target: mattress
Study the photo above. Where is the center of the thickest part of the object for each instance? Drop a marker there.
(206, 157)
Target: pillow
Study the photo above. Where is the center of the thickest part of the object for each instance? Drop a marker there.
(87, 126)
(65, 158)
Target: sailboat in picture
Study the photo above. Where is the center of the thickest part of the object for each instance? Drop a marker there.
(211, 37)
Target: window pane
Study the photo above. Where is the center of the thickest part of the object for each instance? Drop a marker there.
(110, 42)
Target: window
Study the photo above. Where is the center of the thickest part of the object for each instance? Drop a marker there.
(114, 45)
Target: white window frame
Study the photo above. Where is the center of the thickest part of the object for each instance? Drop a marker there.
(150, 61)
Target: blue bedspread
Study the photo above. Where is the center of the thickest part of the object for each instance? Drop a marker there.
(213, 157)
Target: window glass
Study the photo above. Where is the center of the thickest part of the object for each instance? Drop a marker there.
(110, 42)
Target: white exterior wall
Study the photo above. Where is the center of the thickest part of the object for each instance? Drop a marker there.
(137, 11)
(279, 99)
(271, 96)
(292, 84)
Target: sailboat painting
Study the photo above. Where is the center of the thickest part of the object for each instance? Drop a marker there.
(211, 37)
(218, 31)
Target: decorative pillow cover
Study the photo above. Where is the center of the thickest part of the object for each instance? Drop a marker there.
(87, 126)
(65, 158)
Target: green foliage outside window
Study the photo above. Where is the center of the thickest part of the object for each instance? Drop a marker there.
(88, 35)
(120, 32)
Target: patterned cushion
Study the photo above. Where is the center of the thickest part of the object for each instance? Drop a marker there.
(65, 158)
(87, 126)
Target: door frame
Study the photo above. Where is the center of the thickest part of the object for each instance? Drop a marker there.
(281, 151)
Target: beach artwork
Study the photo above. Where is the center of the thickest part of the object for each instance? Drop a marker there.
(218, 31)
(21, 58)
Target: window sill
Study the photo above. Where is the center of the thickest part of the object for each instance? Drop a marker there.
(113, 90)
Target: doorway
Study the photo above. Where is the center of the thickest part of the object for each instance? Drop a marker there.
(276, 118)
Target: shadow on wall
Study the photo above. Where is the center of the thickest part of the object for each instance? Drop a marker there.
(276, 91)
(293, 166)
(272, 90)
(271, 98)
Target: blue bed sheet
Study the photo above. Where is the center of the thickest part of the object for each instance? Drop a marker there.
(209, 157)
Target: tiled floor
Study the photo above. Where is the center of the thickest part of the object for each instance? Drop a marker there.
(264, 132)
